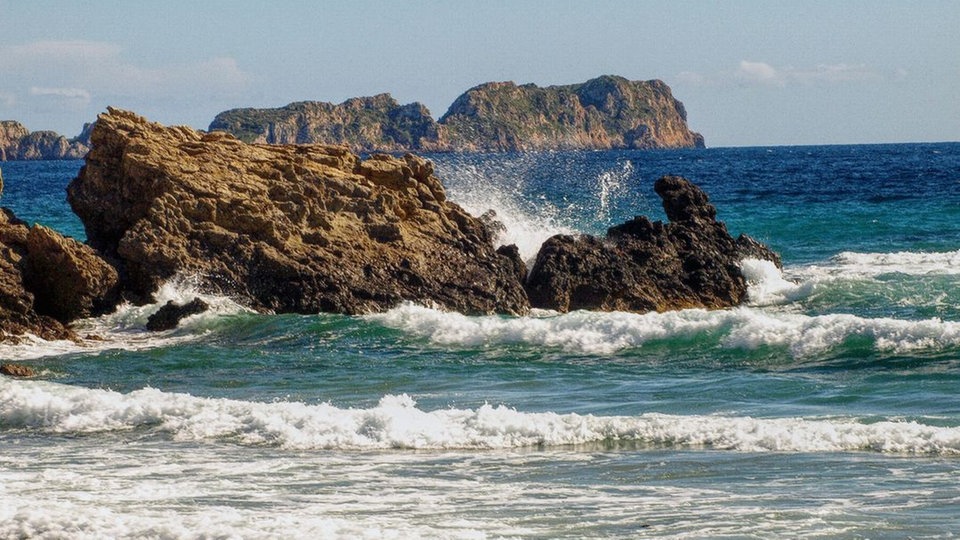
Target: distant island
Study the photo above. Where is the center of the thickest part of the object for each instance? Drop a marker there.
(604, 113)
(19, 143)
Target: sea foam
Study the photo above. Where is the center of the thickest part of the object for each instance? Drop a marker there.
(397, 423)
(125, 327)
(605, 333)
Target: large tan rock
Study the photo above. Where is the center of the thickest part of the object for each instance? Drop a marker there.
(17, 313)
(283, 228)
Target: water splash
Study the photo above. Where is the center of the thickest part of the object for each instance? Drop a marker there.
(610, 186)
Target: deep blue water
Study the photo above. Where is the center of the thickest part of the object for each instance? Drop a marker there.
(827, 407)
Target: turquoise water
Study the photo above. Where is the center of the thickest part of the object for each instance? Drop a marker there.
(827, 407)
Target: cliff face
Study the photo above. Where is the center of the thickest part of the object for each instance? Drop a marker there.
(603, 113)
(368, 124)
(18, 143)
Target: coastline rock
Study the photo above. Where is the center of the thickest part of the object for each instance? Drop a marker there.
(18, 143)
(366, 124)
(303, 229)
(68, 279)
(17, 370)
(648, 266)
(170, 315)
(604, 113)
(17, 313)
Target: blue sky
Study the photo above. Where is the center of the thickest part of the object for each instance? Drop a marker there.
(749, 72)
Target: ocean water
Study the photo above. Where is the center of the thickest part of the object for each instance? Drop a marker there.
(827, 407)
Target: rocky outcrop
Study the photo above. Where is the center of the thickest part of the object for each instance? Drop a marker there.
(692, 261)
(47, 280)
(304, 229)
(368, 124)
(170, 315)
(18, 143)
(603, 113)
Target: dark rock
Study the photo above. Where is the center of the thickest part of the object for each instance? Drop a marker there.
(283, 228)
(170, 315)
(644, 266)
(17, 370)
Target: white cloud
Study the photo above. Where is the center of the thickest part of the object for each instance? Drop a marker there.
(68, 94)
(52, 75)
(750, 72)
(758, 72)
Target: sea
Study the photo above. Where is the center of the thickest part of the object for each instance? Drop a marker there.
(827, 406)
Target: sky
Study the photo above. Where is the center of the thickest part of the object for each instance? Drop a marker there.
(749, 72)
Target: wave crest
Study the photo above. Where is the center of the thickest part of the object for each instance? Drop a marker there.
(396, 423)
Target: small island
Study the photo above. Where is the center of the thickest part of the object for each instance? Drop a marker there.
(604, 113)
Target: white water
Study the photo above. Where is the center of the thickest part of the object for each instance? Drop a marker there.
(397, 423)
(745, 328)
(125, 328)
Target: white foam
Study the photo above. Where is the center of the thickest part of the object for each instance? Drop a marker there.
(125, 327)
(849, 264)
(396, 423)
(604, 333)
(767, 286)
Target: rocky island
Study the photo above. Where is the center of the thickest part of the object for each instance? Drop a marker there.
(601, 114)
(19, 143)
(315, 228)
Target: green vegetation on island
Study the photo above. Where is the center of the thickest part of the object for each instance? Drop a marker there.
(604, 113)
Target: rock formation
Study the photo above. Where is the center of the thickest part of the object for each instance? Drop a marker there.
(170, 315)
(48, 280)
(642, 266)
(603, 113)
(283, 228)
(17, 370)
(369, 124)
(18, 143)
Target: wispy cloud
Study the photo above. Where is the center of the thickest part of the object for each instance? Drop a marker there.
(78, 95)
(71, 74)
(756, 73)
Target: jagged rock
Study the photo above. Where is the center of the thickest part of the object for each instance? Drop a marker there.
(283, 228)
(68, 279)
(17, 313)
(170, 315)
(18, 143)
(603, 113)
(17, 370)
(643, 266)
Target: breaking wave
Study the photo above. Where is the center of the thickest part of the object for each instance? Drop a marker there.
(396, 423)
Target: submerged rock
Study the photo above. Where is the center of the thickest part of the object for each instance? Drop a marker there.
(170, 315)
(17, 370)
(283, 228)
(643, 266)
